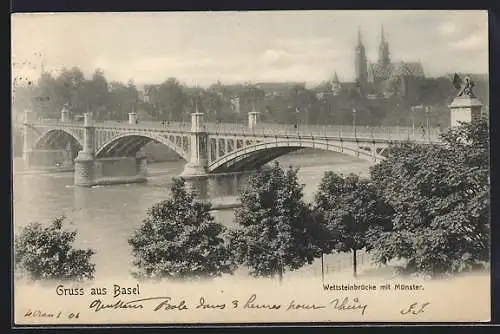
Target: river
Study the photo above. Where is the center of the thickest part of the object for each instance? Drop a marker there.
(106, 216)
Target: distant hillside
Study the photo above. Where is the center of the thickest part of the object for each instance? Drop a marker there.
(271, 87)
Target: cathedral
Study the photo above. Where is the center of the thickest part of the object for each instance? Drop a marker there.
(383, 78)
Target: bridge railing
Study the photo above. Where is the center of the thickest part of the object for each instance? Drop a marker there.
(360, 132)
(120, 124)
(329, 131)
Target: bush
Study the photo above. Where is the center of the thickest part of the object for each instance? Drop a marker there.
(46, 253)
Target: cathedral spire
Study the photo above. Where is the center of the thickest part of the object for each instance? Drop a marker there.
(335, 77)
(360, 61)
(335, 84)
(383, 50)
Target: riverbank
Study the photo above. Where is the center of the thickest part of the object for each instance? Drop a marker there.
(108, 181)
(225, 203)
(45, 170)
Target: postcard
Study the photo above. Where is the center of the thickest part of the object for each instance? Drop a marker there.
(250, 167)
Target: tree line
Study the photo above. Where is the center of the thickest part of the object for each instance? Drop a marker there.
(290, 103)
(425, 205)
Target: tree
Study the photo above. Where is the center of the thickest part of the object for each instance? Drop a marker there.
(119, 102)
(70, 88)
(352, 211)
(440, 195)
(132, 100)
(97, 94)
(170, 99)
(179, 239)
(46, 100)
(276, 232)
(44, 253)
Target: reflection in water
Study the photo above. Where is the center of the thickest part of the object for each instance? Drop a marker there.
(106, 216)
(216, 186)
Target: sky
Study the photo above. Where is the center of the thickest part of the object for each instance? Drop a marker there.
(199, 48)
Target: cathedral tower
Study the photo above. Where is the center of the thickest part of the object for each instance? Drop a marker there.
(383, 50)
(336, 86)
(360, 62)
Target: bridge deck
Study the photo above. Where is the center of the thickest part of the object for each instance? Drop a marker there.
(274, 130)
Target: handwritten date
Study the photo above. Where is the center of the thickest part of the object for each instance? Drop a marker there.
(56, 315)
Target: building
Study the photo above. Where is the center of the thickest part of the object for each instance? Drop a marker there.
(384, 77)
(335, 85)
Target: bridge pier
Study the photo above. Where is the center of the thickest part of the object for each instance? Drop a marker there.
(85, 161)
(120, 170)
(141, 163)
(198, 186)
(84, 170)
(198, 163)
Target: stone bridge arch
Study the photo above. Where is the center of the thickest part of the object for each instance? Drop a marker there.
(257, 154)
(129, 143)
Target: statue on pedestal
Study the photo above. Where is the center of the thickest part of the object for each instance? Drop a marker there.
(464, 86)
(466, 106)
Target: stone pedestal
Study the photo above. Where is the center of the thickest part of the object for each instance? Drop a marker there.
(194, 171)
(87, 119)
(198, 163)
(132, 118)
(64, 115)
(252, 119)
(197, 122)
(84, 169)
(464, 109)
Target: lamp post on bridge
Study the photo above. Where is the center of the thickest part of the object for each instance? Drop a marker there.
(354, 121)
(65, 113)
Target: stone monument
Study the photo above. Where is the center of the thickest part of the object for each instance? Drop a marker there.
(466, 106)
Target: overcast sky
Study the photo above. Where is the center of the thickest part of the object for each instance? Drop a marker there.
(200, 48)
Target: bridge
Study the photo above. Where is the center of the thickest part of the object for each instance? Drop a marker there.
(208, 148)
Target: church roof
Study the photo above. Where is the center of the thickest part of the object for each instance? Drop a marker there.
(379, 72)
(409, 69)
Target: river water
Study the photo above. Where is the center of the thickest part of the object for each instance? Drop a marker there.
(106, 216)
